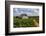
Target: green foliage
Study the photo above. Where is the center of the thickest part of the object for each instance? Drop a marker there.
(24, 22)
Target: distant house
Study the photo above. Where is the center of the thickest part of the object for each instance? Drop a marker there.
(22, 16)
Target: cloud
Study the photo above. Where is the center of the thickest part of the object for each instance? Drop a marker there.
(28, 11)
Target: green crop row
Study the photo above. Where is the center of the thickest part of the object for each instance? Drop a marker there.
(24, 22)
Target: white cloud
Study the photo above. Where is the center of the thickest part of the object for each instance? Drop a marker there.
(32, 12)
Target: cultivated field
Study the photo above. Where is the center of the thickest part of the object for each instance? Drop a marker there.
(30, 22)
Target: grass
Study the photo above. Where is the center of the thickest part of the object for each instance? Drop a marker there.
(19, 22)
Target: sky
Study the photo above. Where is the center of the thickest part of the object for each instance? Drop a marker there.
(28, 11)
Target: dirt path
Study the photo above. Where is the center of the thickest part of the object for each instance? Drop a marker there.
(36, 24)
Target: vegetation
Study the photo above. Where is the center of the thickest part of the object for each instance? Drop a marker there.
(19, 22)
